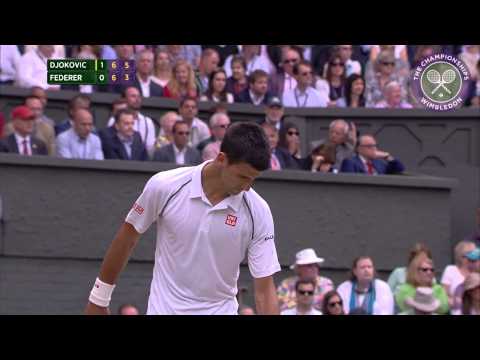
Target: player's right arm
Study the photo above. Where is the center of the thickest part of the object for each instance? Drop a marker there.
(114, 262)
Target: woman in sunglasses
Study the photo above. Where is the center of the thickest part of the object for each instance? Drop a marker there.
(289, 139)
(336, 78)
(421, 273)
(332, 304)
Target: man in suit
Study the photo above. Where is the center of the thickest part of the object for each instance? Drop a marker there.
(257, 93)
(179, 152)
(22, 141)
(371, 161)
(121, 141)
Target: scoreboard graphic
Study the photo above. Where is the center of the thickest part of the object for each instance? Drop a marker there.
(90, 72)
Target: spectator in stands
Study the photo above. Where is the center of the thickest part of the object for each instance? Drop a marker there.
(332, 304)
(343, 137)
(351, 66)
(162, 69)
(253, 59)
(208, 64)
(257, 93)
(58, 50)
(245, 310)
(423, 303)
(189, 53)
(219, 123)
(289, 140)
(124, 52)
(285, 80)
(238, 82)
(32, 68)
(473, 258)
(2, 124)
(371, 161)
(393, 97)
(179, 152)
(143, 124)
(80, 101)
(165, 136)
(303, 95)
(335, 77)
(128, 309)
(421, 273)
(274, 112)
(471, 295)
(398, 51)
(223, 51)
(304, 291)
(475, 100)
(121, 141)
(42, 95)
(182, 83)
(365, 291)
(79, 142)
(143, 79)
(9, 58)
(217, 91)
(354, 92)
(322, 159)
(454, 275)
(306, 267)
(199, 131)
(399, 275)
(471, 56)
(280, 158)
(22, 141)
(42, 130)
(384, 72)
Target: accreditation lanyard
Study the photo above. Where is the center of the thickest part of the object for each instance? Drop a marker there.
(298, 96)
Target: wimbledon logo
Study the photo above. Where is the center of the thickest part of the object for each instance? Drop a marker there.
(440, 82)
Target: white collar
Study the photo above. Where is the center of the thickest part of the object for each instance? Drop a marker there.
(20, 139)
(196, 191)
(254, 97)
(177, 151)
(149, 79)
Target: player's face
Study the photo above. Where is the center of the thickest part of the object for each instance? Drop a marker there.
(237, 177)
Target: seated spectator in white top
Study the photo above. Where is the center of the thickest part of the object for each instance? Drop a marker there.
(178, 152)
(304, 95)
(363, 290)
(454, 275)
(162, 72)
(354, 93)
(351, 66)
(143, 124)
(9, 58)
(199, 131)
(79, 142)
(32, 68)
(393, 97)
(217, 88)
(305, 291)
(253, 59)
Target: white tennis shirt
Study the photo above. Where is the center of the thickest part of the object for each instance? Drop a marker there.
(199, 246)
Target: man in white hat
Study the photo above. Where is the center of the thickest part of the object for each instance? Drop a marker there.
(424, 303)
(306, 267)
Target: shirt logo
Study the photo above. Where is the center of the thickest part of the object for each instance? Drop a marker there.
(138, 209)
(231, 220)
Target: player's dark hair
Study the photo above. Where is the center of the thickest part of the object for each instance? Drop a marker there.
(122, 112)
(247, 142)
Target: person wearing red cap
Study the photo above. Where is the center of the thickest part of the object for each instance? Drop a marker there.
(21, 141)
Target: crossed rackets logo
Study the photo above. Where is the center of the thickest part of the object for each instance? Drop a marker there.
(434, 77)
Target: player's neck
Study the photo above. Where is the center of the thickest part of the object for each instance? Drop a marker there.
(212, 184)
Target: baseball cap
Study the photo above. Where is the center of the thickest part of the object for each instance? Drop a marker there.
(275, 101)
(473, 255)
(22, 112)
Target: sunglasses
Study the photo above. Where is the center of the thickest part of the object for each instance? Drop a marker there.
(432, 270)
(335, 303)
(303, 292)
(291, 133)
(388, 63)
(183, 133)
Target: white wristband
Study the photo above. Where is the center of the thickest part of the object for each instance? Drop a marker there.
(101, 293)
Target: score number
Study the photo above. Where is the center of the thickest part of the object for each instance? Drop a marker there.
(121, 71)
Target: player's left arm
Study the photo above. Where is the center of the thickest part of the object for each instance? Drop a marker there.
(266, 299)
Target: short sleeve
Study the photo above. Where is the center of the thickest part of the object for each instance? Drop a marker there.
(149, 204)
(447, 277)
(262, 254)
